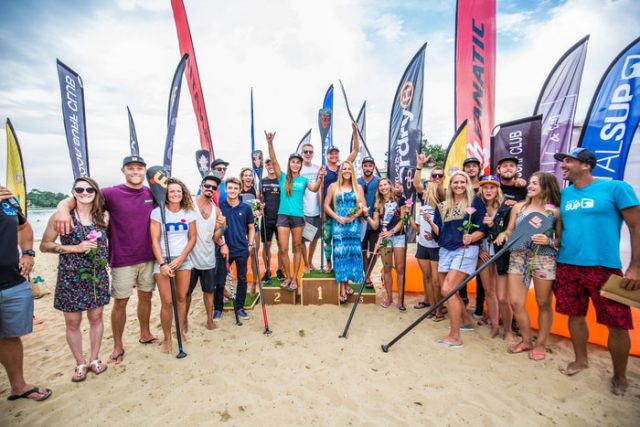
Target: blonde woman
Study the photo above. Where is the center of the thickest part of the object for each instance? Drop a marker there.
(290, 213)
(347, 198)
(459, 229)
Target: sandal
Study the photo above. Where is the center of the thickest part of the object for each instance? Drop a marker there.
(519, 348)
(350, 290)
(386, 303)
(439, 317)
(44, 394)
(293, 288)
(421, 305)
(116, 359)
(97, 367)
(536, 355)
(80, 373)
(285, 284)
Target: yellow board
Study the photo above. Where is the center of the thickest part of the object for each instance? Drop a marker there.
(15, 170)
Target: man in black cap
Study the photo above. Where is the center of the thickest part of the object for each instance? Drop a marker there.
(471, 166)
(220, 167)
(592, 212)
(513, 188)
(369, 183)
(130, 256)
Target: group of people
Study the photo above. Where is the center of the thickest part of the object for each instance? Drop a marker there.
(460, 226)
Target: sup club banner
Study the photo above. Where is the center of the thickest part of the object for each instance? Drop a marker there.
(75, 127)
(405, 127)
(614, 114)
(475, 62)
(520, 139)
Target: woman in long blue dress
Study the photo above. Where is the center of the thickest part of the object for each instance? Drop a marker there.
(344, 203)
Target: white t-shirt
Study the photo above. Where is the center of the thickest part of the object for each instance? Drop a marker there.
(310, 205)
(425, 227)
(203, 256)
(177, 226)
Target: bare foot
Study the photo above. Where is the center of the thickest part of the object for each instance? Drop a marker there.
(509, 337)
(619, 386)
(185, 327)
(165, 347)
(573, 368)
(495, 332)
(183, 336)
(211, 325)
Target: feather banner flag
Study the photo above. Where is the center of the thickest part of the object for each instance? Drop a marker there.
(16, 182)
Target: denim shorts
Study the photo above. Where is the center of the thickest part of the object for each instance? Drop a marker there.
(186, 265)
(396, 241)
(290, 221)
(16, 311)
(464, 260)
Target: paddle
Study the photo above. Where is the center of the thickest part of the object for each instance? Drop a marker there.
(534, 223)
(157, 178)
(372, 261)
(203, 161)
(257, 272)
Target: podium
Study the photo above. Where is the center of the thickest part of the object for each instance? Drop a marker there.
(319, 288)
(275, 295)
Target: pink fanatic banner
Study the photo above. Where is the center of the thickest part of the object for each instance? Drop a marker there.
(192, 75)
(475, 74)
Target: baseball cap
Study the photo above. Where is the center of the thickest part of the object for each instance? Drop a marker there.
(490, 179)
(333, 148)
(296, 156)
(509, 159)
(368, 160)
(133, 159)
(212, 175)
(580, 154)
(217, 162)
(470, 160)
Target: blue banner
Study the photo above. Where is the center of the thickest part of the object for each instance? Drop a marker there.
(405, 125)
(133, 136)
(327, 104)
(614, 114)
(75, 126)
(172, 113)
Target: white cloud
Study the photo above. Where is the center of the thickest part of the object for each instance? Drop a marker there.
(389, 27)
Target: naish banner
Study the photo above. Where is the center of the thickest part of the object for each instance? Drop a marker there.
(75, 125)
(193, 76)
(519, 139)
(133, 136)
(327, 104)
(16, 182)
(405, 125)
(456, 152)
(475, 65)
(306, 139)
(557, 104)
(614, 113)
(172, 113)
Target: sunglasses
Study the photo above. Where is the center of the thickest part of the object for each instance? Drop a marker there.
(210, 187)
(437, 175)
(220, 169)
(80, 190)
(307, 151)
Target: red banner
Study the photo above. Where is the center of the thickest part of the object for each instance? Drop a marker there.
(475, 74)
(191, 72)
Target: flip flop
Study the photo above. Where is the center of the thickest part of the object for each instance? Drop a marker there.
(47, 393)
(467, 328)
(386, 303)
(449, 344)
(285, 284)
(114, 359)
(421, 305)
(80, 373)
(149, 341)
(439, 318)
(537, 356)
(97, 367)
(350, 290)
(518, 348)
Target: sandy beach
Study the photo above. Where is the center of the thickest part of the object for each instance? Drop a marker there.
(303, 374)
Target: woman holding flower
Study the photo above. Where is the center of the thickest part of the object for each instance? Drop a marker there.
(459, 229)
(388, 212)
(534, 258)
(83, 282)
(347, 198)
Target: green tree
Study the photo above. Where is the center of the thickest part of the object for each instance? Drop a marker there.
(436, 152)
(44, 199)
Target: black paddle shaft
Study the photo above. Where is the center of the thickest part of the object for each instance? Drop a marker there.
(262, 303)
(157, 178)
(534, 223)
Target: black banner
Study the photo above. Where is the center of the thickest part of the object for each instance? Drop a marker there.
(520, 139)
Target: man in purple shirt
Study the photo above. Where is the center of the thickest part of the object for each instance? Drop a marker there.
(130, 257)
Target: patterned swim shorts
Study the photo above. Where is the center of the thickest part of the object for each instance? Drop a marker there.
(574, 287)
(539, 266)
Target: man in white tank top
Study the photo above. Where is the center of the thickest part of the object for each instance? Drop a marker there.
(210, 226)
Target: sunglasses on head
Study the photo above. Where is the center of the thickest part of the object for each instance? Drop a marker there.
(80, 190)
(307, 151)
(210, 187)
(437, 175)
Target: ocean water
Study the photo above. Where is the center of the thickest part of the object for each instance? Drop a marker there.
(38, 218)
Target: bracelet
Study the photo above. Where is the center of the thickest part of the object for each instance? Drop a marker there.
(418, 169)
(163, 264)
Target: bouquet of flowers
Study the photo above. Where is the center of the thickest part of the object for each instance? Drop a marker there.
(256, 208)
(466, 228)
(98, 263)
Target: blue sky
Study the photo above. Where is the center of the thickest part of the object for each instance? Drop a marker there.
(289, 51)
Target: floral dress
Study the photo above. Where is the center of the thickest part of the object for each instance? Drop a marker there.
(347, 249)
(72, 292)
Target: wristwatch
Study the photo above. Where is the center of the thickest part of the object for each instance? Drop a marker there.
(29, 252)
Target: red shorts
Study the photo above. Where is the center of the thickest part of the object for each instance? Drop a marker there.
(575, 284)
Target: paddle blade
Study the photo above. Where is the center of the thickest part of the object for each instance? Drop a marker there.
(534, 223)
(157, 178)
(203, 161)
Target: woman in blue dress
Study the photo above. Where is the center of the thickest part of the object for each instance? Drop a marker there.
(344, 203)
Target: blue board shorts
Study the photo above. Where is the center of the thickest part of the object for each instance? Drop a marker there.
(464, 260)
(16, 311)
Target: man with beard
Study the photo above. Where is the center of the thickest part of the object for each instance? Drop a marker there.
(209, 227)
(513, 188)
(219, 166)
(311, 207)
(333, 165)
(130, 257)
(592, 213)
(471, 167)
(369, 183)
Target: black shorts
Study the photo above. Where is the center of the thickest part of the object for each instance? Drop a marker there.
(269, 229)
(207, 280)
(315, 221)
(502, 263)
(290, 221)
(431, 254)
(370, 240)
